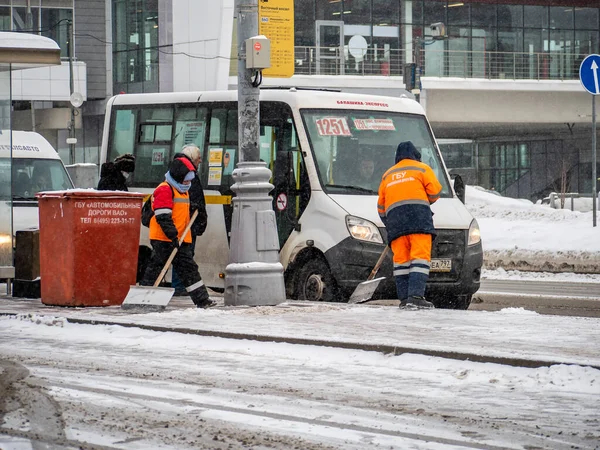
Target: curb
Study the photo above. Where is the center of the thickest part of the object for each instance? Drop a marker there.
(379, 348)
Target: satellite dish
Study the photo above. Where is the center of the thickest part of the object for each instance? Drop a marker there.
(76, 99)
(357, 46)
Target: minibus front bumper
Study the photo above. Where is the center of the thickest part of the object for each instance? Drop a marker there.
(351, 262)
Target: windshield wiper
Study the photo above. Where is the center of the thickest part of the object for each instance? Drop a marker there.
(352, 188)
(19, 197)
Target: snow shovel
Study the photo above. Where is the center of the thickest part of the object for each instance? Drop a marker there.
(155, 298)
(365, 290)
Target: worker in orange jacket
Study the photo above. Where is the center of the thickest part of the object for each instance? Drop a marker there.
(171, 206)
(405, 194)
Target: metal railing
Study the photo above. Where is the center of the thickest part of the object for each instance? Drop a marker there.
(440, 63)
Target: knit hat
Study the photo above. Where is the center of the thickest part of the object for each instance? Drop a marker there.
(179, 168)
(407, 150)
(125, 163)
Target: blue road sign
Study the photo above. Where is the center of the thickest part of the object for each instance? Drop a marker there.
(589, 74)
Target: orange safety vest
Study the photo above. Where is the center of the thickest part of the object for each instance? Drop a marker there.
(180, 214)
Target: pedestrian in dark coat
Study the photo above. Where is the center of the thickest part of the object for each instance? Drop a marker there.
(114, 175)
(192, 153)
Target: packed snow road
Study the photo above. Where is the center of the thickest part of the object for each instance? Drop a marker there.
(68, 385)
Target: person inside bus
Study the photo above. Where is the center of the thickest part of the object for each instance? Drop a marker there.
(407, 190)
(171, 205)
(40, 181)
(114, 175)
(192, 153)
(366, 173)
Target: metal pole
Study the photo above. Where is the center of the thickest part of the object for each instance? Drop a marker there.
(248, 95)
(254, 275)
(418, 69)
(594, 176)
(72, 89)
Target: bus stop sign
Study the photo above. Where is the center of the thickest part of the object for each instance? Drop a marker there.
(589, 74)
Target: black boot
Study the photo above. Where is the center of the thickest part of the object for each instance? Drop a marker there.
(417, 302)
(205, 304)
(201, 299)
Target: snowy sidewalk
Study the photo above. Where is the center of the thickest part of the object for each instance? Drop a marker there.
(509, 334)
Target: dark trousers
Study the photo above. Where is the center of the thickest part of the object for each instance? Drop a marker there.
(176, 281)
(183, 263)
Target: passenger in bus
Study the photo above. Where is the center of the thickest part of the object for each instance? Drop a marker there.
(406, 192)
(114, 175)
(197, 202)
(40, 181)
(171, 205)
(366, 173)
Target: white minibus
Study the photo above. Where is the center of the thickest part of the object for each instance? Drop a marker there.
(329, 230)
(36, 166)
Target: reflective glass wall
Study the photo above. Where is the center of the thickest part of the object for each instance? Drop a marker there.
(6, 248)
(135, 46)
(44, 17)
(486, 38)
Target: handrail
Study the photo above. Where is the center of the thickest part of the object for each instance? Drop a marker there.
(440, 63)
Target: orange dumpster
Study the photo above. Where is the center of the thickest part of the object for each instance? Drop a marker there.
(88, 246)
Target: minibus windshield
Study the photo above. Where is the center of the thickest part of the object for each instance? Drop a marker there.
(30, 176)
(353, 148)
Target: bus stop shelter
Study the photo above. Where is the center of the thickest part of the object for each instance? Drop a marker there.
(17, 51)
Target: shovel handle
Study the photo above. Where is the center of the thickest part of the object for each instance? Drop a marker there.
(174, 252)
(378, 263)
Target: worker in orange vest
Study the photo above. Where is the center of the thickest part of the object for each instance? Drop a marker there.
(171, 206)
(406, 192)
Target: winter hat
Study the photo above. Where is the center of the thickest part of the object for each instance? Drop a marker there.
(125, 163)
(180, 167)
(407, 150)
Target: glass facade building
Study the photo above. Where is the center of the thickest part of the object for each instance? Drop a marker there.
(44, 17)
(484, 39)
(135, 45)
(526, 39)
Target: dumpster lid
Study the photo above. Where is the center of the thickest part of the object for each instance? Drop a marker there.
(82, 193)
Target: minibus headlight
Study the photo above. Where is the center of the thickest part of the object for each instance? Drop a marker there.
(363, 230)
(474, 233)
(5, 239)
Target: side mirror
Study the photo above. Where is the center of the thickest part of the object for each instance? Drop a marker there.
(459, 187)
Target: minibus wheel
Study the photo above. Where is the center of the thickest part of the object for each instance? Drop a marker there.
(315, 282)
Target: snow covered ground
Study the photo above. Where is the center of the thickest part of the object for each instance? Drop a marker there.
(97, 386)
(518, 234)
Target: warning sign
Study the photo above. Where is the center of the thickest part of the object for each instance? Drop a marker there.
(276, 21)
(281, 202)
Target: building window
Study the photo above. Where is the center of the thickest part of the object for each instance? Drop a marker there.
(135, 45)
(26, 19)
(501, 164)
(5, 18)
(49, 20)
(54, 26)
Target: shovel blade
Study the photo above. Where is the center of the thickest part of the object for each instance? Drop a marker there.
(365, 290)
(147, 297)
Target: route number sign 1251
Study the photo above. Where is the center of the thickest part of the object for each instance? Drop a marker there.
(333, 126)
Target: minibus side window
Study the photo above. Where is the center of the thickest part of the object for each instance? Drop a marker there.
(222, 153)
(190, 127)
(153, 146)
(123, 135)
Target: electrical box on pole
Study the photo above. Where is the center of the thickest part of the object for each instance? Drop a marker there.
(410, 71)
(258, 53)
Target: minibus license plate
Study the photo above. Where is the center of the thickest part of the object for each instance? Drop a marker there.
(441, 265)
